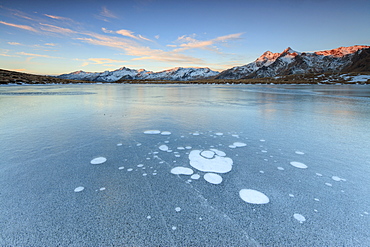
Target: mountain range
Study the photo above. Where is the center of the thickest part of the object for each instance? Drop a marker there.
(288, 62)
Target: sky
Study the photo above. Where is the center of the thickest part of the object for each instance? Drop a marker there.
(56, 37)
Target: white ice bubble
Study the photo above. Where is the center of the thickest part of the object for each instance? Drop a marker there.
(166, 141)
(102, 188)
(336, 178)
(119, 144)
(237, 136)
(179, 170)
(207, 154)
(291, 195)
(144, 174)
(328, 184)
(239, 144)
(232, 146)
(121, 167)
(163, 148)
(177, 155)
(317, 199)
(79, 189)
(318, 174)
(177, 209)
(130, 169)
(280, 168)
(213, 178)
(195, 176)
(298, 164)
(165, 133)
(140, 165)
(149, 217)
(174, 228)
(264, 151)
(262, 140)
(299, 217)
(152, 132)
(253, 196)
(218, 164)
(262, 172)
(188, 147)
(196, 134)
(98, 161)
(299, 152)
(139, 144)
(180, 148)
(219, 134)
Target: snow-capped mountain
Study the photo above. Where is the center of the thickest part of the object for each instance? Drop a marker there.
(293, 62)
(175, 74)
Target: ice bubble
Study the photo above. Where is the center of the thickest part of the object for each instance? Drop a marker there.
(329, 184)
(253, 196)
(154, 173)
(291, 195)
(264, 151)
(149, 217)
(188, 147)
(298, 164)
(165, 133)
(218, 164)
(316, 199)
(177, 209)
(207, 154)
(119, 144)
(336, 178)
(179, 170)
(218, 152)
(144, 174)
(139, 144)
(299, 152)
(177, 155)
(180, 148)
(219, 134)
(140, 165)
(237, 136)
(152, 132)
(102, 188)
(130, 169)
(196, 134)
(195, 176)
(299, 217)
(98, 161)
(174, 228)
(121, 167)
(262, 140)
(213, 178)
(319, 174)
(232, 146)
(163, 148)
(262, 172)
(239, 144)
(79, 189)
(280, 168)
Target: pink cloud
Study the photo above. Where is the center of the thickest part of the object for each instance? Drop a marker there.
(25, 27)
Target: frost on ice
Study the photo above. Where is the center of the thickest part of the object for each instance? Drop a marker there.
(220, 164)
(253, 196)
(213, 178)
(98, 161)
(179, 170)
(298, 164)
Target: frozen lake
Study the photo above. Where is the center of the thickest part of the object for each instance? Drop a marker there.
(184, 165)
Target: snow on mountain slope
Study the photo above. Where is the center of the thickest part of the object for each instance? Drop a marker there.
(293, 62)
(175, 74)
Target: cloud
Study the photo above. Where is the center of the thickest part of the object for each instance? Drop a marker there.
(57, 17)
(192, 43)
(34, 55)
(50, 44)
(104, 14)
(56, 29)
(25, 27)
(102, 61)
(157, 36)
(14, 43)
(126, 33)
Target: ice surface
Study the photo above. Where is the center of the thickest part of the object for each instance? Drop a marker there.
(79, 189)
(239, 144)
(298, 164)
(179, 170)
(163, 148)
(165, 133)
(299, 217)
(212, 178)
(218, 164)
(152, 132)
(253, 196)
(98, 161)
